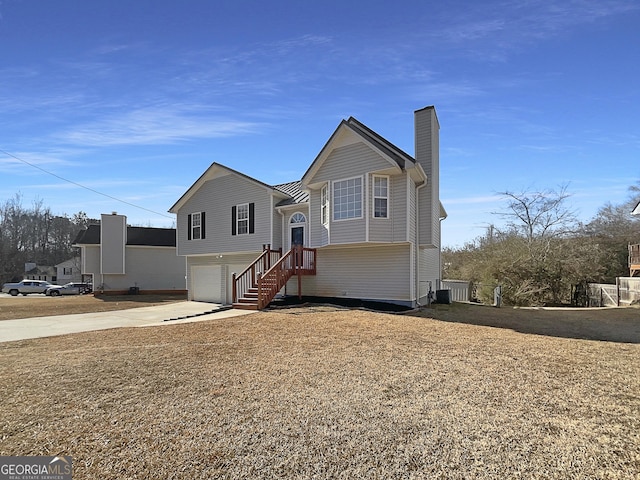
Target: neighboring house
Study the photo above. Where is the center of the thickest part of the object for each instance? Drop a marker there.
(33, 271)
(119, 257)
(367, 214)
(69, 271)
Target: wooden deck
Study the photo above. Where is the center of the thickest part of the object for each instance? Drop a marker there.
(634, 260)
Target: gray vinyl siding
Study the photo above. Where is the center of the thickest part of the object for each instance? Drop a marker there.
(91, 261)
(394, 228)
(348, 231)
(427, 154)
(359, 160)
(148, 268)
(413, 198)
(319, 232)
(349, 161)
(429, 271)
(113, 237)
(366, 272)
(216, 198)
(276, 239)
(234, 263)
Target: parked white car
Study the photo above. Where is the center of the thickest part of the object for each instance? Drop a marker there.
(26, 287)
(72, 288)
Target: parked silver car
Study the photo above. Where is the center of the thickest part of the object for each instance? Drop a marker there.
(72, 288)
(26, 287)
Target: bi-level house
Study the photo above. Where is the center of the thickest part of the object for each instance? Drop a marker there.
(118, 258)
(362, 223)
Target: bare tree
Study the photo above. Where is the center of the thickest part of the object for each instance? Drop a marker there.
(539, 214)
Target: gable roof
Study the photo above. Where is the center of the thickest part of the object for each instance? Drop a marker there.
(636, 211)
(215, 170)
(388, 150)
(139, 236)
(401, 157)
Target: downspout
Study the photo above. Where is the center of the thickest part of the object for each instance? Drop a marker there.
(417, 243)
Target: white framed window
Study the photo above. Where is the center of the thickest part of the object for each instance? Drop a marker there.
(324, 205)
(196, 226)
(242, 219)
(298, 218)
(347, 199)
(380, 196)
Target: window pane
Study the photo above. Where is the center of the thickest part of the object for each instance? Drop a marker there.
(380, 208)
(195, 225)
(347, 199)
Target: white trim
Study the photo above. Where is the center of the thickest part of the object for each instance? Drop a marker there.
(199, 214)
(238, 218)
(407, 209)
(324, 204)
(271, 212)
(303, 225)
(373, 195)
(367, 209)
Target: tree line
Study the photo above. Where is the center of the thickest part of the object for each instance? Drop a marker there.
(35, 234)
(543, 254)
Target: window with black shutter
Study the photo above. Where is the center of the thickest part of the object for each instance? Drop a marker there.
(243, 219)
(196, 226)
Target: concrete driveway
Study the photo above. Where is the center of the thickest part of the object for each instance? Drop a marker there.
(170, 314)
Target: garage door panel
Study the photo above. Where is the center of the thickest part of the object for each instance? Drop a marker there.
(207, 283)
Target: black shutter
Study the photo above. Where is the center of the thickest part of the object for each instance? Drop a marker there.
(233, 220)
(252, 225)
(189, 227)
(202, 225)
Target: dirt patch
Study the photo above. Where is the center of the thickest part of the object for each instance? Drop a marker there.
(326, 393)
(42, 306)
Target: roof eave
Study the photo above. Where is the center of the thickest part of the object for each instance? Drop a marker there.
(209, 174)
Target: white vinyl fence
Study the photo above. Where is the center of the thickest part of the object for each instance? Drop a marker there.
(461, 290)
(625, 292)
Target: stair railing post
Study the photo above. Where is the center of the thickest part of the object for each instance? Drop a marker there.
(234, 288)
(259, 291)
(299, 269)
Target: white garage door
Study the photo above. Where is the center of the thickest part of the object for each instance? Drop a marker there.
(207, 284)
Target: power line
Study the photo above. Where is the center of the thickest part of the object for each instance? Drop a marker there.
(83, 186)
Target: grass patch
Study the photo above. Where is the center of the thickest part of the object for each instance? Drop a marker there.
(325, 392)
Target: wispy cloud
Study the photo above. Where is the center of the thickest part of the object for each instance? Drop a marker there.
(491, 31)
(156, 125)
(28, 162)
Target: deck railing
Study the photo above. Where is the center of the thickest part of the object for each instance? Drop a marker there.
(634, 259)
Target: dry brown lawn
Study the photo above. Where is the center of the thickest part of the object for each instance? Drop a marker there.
(322, 392)
(41, 306)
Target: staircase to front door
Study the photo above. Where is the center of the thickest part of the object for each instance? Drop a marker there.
(260, 282)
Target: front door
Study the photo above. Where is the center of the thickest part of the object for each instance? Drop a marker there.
(297, 240)
(297, 236)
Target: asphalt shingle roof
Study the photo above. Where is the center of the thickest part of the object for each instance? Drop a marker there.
(148, 236)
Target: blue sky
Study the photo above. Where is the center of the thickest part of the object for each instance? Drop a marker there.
(135, 99)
